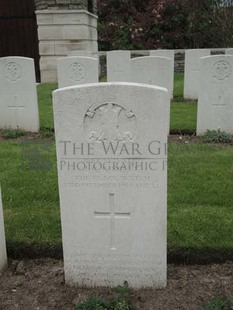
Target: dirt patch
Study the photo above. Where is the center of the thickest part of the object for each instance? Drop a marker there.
(192, 139)
(184, 139)
(28, 136)
(39, 284)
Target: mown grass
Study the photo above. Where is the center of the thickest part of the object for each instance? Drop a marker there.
(200, 209)
(30, 194)
(200, 196)
(45, 104)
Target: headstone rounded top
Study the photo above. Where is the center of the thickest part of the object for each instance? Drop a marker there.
(221, 66)
(108, 84)
(159, 58)
(198, 50)
(76, 70)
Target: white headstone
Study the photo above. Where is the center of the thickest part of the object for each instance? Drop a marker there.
(77, 70)
(215, 104)
(118, 66)
(229, 51)
(168, 54)
(154, 71)
(18, 94)
(3, 255)
(192, 72)
(111, 151)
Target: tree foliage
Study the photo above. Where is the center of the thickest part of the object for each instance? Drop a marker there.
(151, 24)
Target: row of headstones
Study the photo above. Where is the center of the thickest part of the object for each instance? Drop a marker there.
(207, 78)
(120, 68)
(193, 68)
(211, 76)
(82, 68)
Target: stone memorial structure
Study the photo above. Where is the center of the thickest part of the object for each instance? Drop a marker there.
(118, 66)
(77, 70)
(215, 103)
(154, 71)
(111, 141)
(3, 255)
(192, 72)
(229, 51)
(63, 26)
(168, 54)
(18, 95)
(83, 53)
(79, 53)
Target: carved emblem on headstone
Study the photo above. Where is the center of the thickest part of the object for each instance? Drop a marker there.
(77, 72)
(12, 71)
(221, 70)
(110, 122)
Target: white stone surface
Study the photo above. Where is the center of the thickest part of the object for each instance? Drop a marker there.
(154, 71)
(79, 53)
(18, 95)
(66, 32)
(118, 66)
(215, 104)
(168, 54)
(77, 70)
(49, 75)
(111, 152)
(192, 72)
(66, 17)
(229, 51)
(3, 255)
(62, 47)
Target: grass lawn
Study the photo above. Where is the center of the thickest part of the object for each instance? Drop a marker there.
(200, 209)
(200, 196)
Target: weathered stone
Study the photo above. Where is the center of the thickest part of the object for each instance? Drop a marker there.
(18, 94)
(215, 103)
(192, 72)
(111, 149)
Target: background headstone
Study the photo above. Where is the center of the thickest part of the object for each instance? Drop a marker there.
(154, 71)
(215, 103)
(18, 95)
(77, 70)
(111, 151)
(229, 51)
(3, 255)
(118, 66)
(192, 72)
(168, 54)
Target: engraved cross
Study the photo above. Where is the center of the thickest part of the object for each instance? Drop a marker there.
(16, 105)
(112, 215)
(220, 102)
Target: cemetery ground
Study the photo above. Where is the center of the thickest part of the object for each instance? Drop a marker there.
(200, 218)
